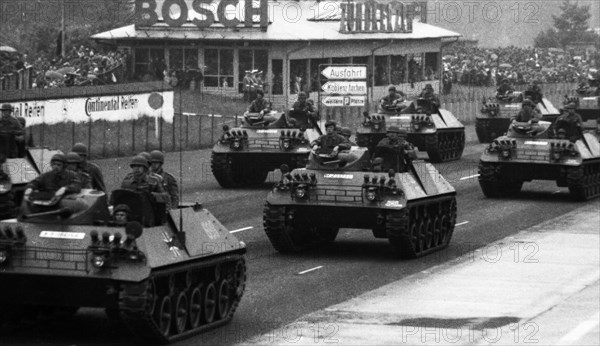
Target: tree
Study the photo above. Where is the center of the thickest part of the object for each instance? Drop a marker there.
(570, 26)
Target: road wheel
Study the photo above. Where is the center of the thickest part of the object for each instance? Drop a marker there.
(195, 314)
(182, 310)
(164, 316)
(224, 299)
(209, 307)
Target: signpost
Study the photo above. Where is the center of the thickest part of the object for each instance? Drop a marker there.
(343, 86)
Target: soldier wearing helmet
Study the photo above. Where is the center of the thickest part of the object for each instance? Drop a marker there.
(330, 142)
(73, 161)
(58, 181)
(141, 180)
(534, 92)
(527, 113)
(146, 155)
(392, 101)
(121, 214)
(157, 159)
(504, 89)
(396, 140)
(570, 122)
(303, 112)
(97, 180)
(432, 101)
(346, 132)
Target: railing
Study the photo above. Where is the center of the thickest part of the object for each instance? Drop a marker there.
(20, 80)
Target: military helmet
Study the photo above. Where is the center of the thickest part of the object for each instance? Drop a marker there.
(122, 207)
(392, 87)
(157, 156)
(145, 155)
(302, 93)
(396, 129)
(527, 102)
(346, 131)
(428, 86)
(139, 160)
(260, 92)
(570, 105)
(7, 107)
(72, 157)
(330, 123)
(561, 131)
(80, 149)
(58, 157)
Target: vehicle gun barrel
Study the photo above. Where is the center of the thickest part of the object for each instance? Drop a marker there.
(63, 213)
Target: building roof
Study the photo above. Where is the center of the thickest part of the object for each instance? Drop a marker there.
(289, 21)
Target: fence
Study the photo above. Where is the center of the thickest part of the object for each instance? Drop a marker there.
(192, 131)
(22, 79)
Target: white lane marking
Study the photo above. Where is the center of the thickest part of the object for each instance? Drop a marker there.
(310, 270)
(555, 192)
(462, 223)
(241, 229)
(469, 177)
(582, 329)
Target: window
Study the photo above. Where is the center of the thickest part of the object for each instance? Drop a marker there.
(298, 75)
(219, 67)
(149, 63)
(398, 69)
(277, 65)
(415, 68)
(431, 66)
(381, 70)
(315, 72)
(252, 59)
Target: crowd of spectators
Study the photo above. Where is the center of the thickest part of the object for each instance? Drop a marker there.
(488, 66)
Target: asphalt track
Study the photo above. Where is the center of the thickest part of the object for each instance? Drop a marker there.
(282, 288)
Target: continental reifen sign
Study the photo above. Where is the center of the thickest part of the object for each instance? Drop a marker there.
(105, 107)
(202, 13)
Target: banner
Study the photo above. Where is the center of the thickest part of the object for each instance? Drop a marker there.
(106, 107)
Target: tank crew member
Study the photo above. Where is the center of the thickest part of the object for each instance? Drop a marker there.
(141, 180)
(571, 123)
(58, 181)
(146, 155)
(527, 113)
(97, 180)
(346, 132)
(121, 214)
(534, 92)
(392, 101)
(73, 161)
(262, 107)
(433, 101)
(302, 105)
(157, 159)
(330, 142)
(396, 140)
(504, 89)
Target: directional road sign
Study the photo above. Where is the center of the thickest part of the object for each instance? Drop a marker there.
(345, 87)
(345, 72)
(343, 101)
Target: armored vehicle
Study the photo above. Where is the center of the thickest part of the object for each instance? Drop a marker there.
(495, 114)
(587, 101)
(409, 203)
(166, 275)
(534, 152)
(244, 155)
(438, 131)
(20, 164)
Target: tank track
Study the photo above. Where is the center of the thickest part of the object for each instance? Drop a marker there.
(584, 181)
(491, 182)
(286, 237)
(421, 229)
(177, 303)
(488, 129)
(231, 175)
(445, 146)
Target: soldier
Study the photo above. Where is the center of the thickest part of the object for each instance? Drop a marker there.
(73, 161)
(140, 180)
(534, 92)
(331, 142)
(305, 107)
(247, 82)
(97, 180)
(58, 181)
(527, 113)
(571, 123)
(391, 102)
(121, 214)
(262, 107)
(504, 89)
(146, 155)
(9, 124)
(347, 133)
(396, 140)
(157, 159)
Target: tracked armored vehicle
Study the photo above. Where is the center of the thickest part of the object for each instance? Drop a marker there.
(532, 152)
(166, 276)
(409, 203)
(244, 155)
(439, 133)
(19, 165)
(495, 115)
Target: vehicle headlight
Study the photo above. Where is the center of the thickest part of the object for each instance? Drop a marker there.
(416, 126)
(5, 187)
(371, 195)
(286, 144)
(237, 144)
(99, 261)
(505, 153)
(376, 126)
(300, 191)
(556, 155)
(3, 256)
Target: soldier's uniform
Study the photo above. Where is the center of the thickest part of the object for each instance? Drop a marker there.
(258, 105)
(96, 178)
(53, 181)
(329, 141)
(571, 123)
(387, 102)
(399, 145)
(503, 88)
(170, 186)
(534, 92)
(527, 114)
(302, 106)
(146, 183)
(8, 123)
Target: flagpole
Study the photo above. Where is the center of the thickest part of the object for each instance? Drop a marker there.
(62, 29)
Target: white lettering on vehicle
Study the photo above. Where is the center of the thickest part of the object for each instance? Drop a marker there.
(338, 176)
(62, 235)
(401, 117)
(535, 143)
(393, 204)
(266, 131)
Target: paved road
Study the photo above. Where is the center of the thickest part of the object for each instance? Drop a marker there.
(276, 293)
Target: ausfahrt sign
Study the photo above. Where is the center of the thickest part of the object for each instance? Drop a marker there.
(344, 86)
